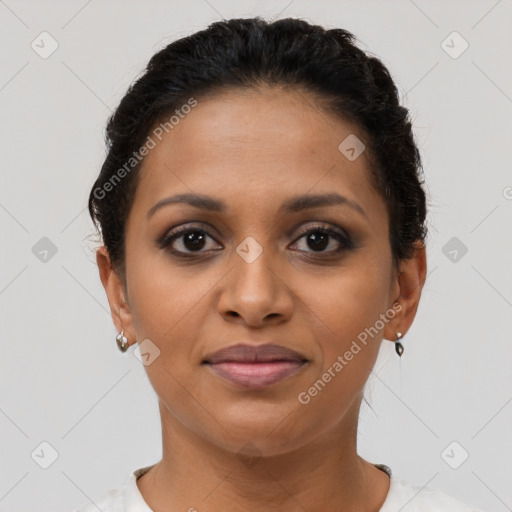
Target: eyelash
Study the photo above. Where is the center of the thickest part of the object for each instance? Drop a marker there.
(344, 240)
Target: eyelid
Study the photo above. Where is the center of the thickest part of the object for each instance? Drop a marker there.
(324, 227)
(339, 234)
(206, 227)
(182, 229)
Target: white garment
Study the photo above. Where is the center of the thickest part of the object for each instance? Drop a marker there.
(128, 498)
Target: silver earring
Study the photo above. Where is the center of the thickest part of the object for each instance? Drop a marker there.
(122, 342)
(398, 346)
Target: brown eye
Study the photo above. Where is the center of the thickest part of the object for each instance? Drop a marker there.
(318, 239)
(194, 240)
(185, 241)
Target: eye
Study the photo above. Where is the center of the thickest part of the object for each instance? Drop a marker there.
(187, 240)
(319, 238)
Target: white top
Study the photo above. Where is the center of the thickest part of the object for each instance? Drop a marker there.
(128, 498)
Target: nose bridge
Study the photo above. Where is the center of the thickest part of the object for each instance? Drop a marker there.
(253, 265)
(254, 290)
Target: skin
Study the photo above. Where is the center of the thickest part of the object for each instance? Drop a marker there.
(254, 149)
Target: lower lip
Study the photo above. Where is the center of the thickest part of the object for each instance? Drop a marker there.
(256, 375)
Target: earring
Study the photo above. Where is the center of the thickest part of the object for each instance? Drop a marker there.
(122, 342)
(398, 346)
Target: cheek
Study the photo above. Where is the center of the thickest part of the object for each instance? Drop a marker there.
(347, 302)
(345, 320)
(173, 322)
(164, 297)
(169, 306)
(167, 311)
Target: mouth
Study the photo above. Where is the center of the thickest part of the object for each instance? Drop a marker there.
(255, 367)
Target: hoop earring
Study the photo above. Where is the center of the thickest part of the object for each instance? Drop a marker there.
(398, 346)
(122, 342)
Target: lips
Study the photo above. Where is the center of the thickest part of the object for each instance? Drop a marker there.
(242, 353)
(255, 367)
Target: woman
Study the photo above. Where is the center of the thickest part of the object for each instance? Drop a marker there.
(263, 219)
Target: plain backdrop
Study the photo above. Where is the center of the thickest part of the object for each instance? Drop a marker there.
(439, 417)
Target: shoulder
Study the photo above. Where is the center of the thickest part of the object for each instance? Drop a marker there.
(421, 499)
(126, 498)
(112, 501)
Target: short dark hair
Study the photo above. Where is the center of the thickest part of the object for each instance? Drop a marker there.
(249, 52)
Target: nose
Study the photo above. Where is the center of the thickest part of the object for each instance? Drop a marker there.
(255, 291)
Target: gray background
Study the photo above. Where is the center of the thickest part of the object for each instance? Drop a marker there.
(64, 381)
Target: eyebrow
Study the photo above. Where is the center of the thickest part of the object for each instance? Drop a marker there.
(292, 205)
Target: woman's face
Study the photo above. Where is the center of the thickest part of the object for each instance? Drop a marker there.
(247, 272)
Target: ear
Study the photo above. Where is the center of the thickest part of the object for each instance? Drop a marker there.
(409, 285)
(116, 294)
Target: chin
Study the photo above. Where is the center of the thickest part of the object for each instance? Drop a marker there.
(268, 431)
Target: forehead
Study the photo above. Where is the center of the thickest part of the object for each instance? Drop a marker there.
(255, 145)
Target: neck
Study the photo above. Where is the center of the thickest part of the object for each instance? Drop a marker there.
(326, 474)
